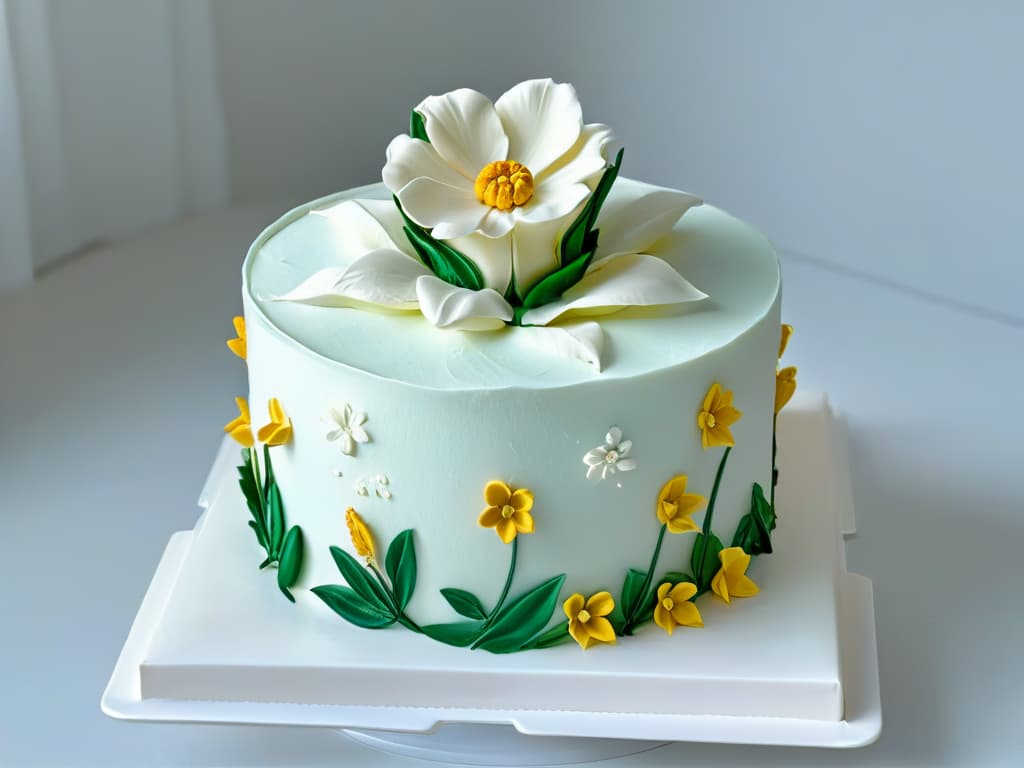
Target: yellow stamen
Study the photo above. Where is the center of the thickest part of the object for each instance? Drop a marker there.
(504, 184)
(668, 604)
(583, 616)
(507, 511)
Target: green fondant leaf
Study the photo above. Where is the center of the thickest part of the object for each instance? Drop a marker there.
(268, 467)
(291, 561)
(400, 564)
(360, 580)
(259, 533)
(458, 633)
(444, 261)
(617, 618)
(465, 603)
(275, 517)
(710, 560)
(631, 587)
(675, 577)
(581, 236)
(558, 282)
(417, 128)
(753, 533)
(353, 608)
(521, 620)
(557, 635)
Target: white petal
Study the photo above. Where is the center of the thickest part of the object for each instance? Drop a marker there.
(496, 223)
(355, 230)
(347, 446)
(624, 447)
(585, 162)
(359, 434)
(626, 280)
(594, 471)
(595, 456)
(636, 215)
(385, 278)
(388, 216)
(613, 437)
(606, 470)
(318, 289)
(583, 341)
(409, 158)
(447, 306)
(347, 415)
(492, 256)
(336, 416)
(626, 465)
(334, 434)
(552, 201)
(449, 211)
(542, 118)
(359, 417)
(535, 250)
(465, 130)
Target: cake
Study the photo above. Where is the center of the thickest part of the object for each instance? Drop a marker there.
(509, 398)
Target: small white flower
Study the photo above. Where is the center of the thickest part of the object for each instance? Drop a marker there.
(604, 460)
(349, 429)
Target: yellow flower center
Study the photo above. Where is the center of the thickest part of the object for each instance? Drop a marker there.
(504, 184)
(707, 420)
(583, 616)
(507, 511)
(668, 604)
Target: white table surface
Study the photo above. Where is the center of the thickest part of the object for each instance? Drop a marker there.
(115, 381)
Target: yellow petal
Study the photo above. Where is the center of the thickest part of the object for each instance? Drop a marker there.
(243, 408)
(601, 629)
(724, 401)
(689, 503)
(744, 587)
(238, 346)
(579, 634)
(573, 605)
(727, 415)
(711, 397)
(359, 532)
(785, 386)
(663, 590)
(242, 433)
(274, 434)
(521, 500)
(687, 615)
(720, 585)
(490, 517)
(523, 522)
(663, 618)
(719, 436)
(600, 604)
(734, 560)
(506, 530)
(239, 322)
(673, 489)
(496, 493)
(681, 524)
(681, 592)
(277, 414)
(787, 331)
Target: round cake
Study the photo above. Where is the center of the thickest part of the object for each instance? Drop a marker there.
(495, 470)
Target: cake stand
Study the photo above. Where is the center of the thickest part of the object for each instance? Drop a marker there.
(814, 470)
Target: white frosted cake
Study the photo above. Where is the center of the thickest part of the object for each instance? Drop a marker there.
(509, 398)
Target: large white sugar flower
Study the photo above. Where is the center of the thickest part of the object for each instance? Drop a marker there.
(604, 460)
(500, 181)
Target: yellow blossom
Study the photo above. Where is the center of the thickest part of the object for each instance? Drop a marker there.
(732, 580)
(508, 511)
(279, 430)
(240, 428)
(716, 416)
(787, 331)
(675, 506)
(587, 622)
(785, 386)
(360, 534)
(238, 346)
(674, 608)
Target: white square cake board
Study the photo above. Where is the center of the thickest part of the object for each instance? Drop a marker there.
(796, 665)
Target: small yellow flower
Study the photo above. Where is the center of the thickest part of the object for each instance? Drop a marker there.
(508, 511)
(360, 534)
(674, 608)
(587, 622)
(240, 428)
(732, 580)
(279, 430)
(675, 506)
(785, 386)
(716, 416)
(787, 331)
(238, 345)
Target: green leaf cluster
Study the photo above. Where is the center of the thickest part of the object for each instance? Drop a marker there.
(754, 532)
(283, 546)
(704, 559)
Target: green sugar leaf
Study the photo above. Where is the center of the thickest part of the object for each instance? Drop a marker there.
(289, 567)
(753, 534)
(353, 608)
(400, 564)
(259, 533)
(520, 621)
(631, 587)
(417, 127)
(711, 563)
(459, 633)
(557, 635)
(464, 603)
(444, 261)
(275, 517)
(558, 282)
(581, 237)
(360, 580)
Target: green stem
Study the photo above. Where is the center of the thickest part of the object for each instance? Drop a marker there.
(641, 596)
(403, 619)
(706, 528)
(775, 449)
(508, 585)
(254, 464)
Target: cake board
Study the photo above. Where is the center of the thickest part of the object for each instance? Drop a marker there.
(812, 439)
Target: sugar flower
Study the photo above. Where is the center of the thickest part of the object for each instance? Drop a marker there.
(674, 607)
(238, 345)
(606, 459)
(348, 428)
(675, 506)
(508, 511)
(785, 378)
(732, 580)
(587, 622)
(240, 428)
(716, 416)
(279, 430)
(362, 539)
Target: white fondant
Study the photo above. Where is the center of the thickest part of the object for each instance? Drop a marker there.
(453, 411)
(382, 278)
(636, 218)
(460, 309)
(581, 340)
